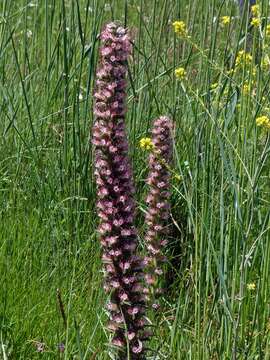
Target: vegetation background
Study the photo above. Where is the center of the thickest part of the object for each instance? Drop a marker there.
(217, 301)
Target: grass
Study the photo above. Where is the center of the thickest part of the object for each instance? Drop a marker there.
(220, 208)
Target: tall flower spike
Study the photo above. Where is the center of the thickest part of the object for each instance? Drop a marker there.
(115, 205)
(158, 201)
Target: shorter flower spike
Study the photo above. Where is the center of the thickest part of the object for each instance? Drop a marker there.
(158, 201)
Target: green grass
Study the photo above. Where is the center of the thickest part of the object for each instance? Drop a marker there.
(220, 208)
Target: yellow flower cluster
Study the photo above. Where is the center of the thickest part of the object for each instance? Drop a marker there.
(267, 30)
(256, 22)
(251, 286)
(180, 73)
(254, 71)
(230, 72)
(265, 63)
(255, 11)
(146, 143)
(180, 28)
(225, 20)
(214, 86)
(246, 89)
(263, 121)
(243, 58)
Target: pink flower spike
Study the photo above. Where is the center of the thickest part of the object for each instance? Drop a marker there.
(115, 194)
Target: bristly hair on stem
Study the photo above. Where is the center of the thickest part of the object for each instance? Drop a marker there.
(115, 203)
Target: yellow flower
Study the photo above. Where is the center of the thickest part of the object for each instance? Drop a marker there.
(246, 89)
(178, 177)
(230, 72)
(256, 22)
(214, 86)
(225, 20)
(243, 58)
(251, 286)
(180, 73)
(248, 58)
(180, 28)
(254, 72)
(267, 30)
(265, 64)
(263, 121)
(146, 143)
(255, 10)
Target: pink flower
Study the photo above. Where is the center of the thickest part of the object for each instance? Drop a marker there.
(111, 240)
(133, 310)
(155, 306)
(136, 349)
(125, 265)
(150, 279)
(118, 318)
(129, 279)
(111, 306)
(115, 284)
(123, 296)
(158, 271)
(106, 51)
(126, 232)
(131, 335)
(118, 342)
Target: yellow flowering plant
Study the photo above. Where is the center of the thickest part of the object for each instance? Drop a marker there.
(251, 286)
(255, 10)
(243, 58)
(225, 20)
(263, 121)
(256, 22)
(246, 89)
(180, 28)
(267, 30)
(146, 143)
(180, 73)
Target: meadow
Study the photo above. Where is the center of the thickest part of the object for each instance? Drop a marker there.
(216, 304)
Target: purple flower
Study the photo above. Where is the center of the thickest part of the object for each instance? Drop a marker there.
(158, 200)
(115, 204)
(61, 347)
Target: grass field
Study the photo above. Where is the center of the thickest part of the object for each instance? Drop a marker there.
(217, 301)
